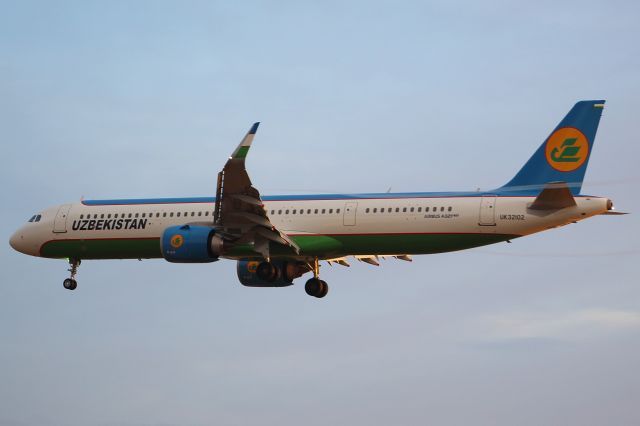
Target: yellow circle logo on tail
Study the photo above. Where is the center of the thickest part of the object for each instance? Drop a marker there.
(177, 241)
(567, 149)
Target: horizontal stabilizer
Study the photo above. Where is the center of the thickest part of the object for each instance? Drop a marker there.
(614, 213)
(554, 196)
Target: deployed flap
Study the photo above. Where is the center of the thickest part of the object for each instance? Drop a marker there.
(239, 212)
(554, 196)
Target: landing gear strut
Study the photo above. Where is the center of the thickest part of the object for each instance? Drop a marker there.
(315, 286)
(71, 283)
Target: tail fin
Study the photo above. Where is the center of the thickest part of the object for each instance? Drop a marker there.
(564, 155)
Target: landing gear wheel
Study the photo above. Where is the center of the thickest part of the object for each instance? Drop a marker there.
(325, 290)
(316, 287)
(70, 284)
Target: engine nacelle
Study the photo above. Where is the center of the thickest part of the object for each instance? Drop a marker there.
(191, 244)
(257, 273)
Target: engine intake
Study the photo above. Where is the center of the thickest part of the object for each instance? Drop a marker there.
(257, 273)
(191, 244)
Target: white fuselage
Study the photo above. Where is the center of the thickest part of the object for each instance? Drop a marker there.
(344, 217)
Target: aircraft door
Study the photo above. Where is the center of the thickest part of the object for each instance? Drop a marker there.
(488, 211)
(349, 218)
(60, 222)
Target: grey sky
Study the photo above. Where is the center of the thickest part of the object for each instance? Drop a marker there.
(111, 99)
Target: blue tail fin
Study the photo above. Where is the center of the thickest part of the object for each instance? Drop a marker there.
(564, 155)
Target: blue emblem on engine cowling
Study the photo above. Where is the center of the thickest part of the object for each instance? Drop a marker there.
(191, 244)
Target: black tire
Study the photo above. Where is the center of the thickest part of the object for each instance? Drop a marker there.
(313, 287)
(68, 284)
(74, 285)
(323, 290)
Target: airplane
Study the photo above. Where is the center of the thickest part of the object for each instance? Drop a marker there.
(276, 239)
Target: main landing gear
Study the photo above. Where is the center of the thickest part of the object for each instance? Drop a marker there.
(315, 286)
(71, 283)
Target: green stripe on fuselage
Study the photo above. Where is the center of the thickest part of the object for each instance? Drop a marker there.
(144, 248)
(311, 245)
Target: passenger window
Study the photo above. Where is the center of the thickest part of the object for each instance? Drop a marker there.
(206, 213)
(397, 209)
(199, 213)
(301, 211)
(129, 215)
(294, 211)
(426, 209)
(375, 210)
(419, 209)
(441, 209)
(449, 209)
(404, 209)
(143, 214)
(330, 211)
(279, 211)
(164, 214)
(137, 214)
(316, 211)
(158, 214)
(80, 217)
(323, 211)
(171, 214)
(412, 209)
(102, 216)
(338, 211)
(367, 210)
(308, 211)
(286, 212)
(271, 212)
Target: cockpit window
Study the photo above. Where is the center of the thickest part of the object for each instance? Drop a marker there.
(32, 218)
(35, 218)
(38, 218)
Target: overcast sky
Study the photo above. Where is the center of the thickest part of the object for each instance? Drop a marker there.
(147, 99)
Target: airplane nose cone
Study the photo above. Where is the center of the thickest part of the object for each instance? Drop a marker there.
(16, 242)
(13, 241)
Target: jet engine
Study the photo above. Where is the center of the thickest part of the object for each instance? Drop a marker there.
(191, 244)
(277, 273)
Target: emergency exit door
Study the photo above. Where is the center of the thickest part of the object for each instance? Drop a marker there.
(349, 218)
(488, 211)
(60, 222)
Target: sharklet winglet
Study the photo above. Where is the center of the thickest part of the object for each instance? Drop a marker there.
(243, 148)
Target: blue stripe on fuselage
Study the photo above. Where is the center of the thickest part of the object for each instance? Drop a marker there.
(319, 197)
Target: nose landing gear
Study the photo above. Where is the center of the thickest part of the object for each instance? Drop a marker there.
(70, 283)
(315, 286)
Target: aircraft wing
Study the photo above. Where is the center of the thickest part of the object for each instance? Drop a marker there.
(239, 215)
